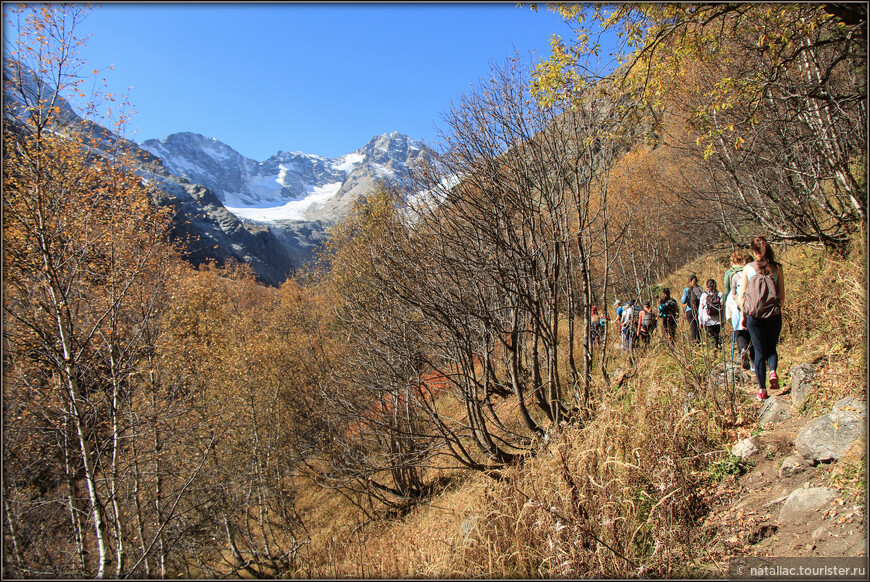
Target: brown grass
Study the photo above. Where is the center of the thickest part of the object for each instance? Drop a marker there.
(613, 499)
(623, 496)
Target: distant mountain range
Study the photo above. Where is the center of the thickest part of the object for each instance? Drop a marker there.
(287, 186)
(272, 215)
(295, 196)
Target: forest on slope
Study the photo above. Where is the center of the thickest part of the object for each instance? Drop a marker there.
(163, 421)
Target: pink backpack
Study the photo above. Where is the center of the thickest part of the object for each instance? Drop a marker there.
(760, 299)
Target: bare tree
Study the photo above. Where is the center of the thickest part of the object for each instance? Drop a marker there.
(490, 261)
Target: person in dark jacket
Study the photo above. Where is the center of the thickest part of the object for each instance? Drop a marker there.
(669, 311)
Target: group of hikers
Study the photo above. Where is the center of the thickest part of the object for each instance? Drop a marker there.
(751, 301)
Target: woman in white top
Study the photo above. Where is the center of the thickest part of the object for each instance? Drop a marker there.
(764, 331)
(732, 312)
(711, 323)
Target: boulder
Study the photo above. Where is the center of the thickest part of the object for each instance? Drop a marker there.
(805, 501)
(745, 448)
(828, 437)
(619, 376)
(793, 465)
(775, 409)
(850, 405)
(801, 385)
(729, 373)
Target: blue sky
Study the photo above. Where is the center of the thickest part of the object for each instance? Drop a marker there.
(320, 78)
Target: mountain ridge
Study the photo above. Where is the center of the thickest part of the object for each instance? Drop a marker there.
(316, 185)
(272, 215)
(293, 195)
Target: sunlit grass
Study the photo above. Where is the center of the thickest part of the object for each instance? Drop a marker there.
(623, 495)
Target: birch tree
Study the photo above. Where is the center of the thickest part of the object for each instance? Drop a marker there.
(85, 269)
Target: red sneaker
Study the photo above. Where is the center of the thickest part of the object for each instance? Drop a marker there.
(773, 379)
(762, 395)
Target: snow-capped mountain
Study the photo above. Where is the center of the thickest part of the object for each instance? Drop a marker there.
(271, 215)
(293, 195)
(289, 186)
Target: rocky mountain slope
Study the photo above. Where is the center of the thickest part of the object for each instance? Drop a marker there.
(294, 195)
(271, 215)
(792, 486)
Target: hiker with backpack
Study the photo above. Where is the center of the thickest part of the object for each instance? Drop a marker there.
(629, 324)
(620, 311)
(634, 323)
(596, 326)
(669, 311)
(740, 335)
(646, 324)
(761, 295)
(691, 299)
(737, 262)
(711, 313)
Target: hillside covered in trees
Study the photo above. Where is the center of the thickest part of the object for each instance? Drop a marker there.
(427, 399)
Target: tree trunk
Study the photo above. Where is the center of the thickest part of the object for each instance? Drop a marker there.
(100, 529)
(72, 502)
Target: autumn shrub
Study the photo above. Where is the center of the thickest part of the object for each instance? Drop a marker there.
(255, 389)
(624, 494)
(826, 306)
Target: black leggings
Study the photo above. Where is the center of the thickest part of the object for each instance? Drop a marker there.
(765, 335)
(712, 333)
(743, 341)
(694, 328)
(669, 328)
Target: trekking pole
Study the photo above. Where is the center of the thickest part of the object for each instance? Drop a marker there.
(734, 376)
(732, 345)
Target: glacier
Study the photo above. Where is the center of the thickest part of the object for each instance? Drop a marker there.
(293, 210)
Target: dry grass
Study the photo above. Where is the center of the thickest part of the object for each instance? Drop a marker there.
(826, 321)
(623, 496)
(421, 545)
(850, 472)
(329, 518)
(613, 499)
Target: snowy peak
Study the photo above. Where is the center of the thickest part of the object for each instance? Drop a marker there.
(187, 146)
(391, 147)
(203, 160)
(287, 186)
(391, 154)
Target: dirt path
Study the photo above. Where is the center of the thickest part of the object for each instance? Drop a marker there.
(744, 520)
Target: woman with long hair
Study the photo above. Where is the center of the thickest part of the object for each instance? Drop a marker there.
(710, 317)
(740, 337)
(691, 298)
(764, 330)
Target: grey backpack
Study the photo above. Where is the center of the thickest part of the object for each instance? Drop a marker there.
(760, 299)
